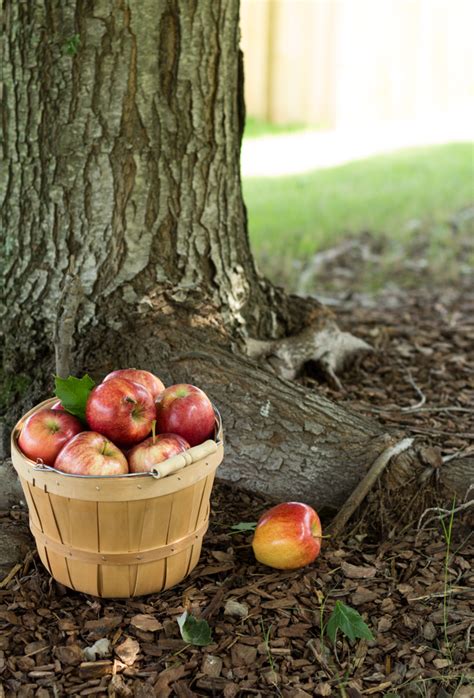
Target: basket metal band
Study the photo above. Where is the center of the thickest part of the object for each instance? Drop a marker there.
(136, 558)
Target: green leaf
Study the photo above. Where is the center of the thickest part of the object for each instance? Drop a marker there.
(349, 622)
(196, 632)
(244, 526)
(73, 393)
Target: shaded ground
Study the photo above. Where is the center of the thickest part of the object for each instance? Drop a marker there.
(413, 586)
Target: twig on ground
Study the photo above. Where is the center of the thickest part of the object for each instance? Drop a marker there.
(442, 513)
(460, 434)
(418, 391)
(454, 408)
(396, 408)
(217, 599)
(10, 575)
(366, 484)
(468, 637)
(441, 594)
(457, 455)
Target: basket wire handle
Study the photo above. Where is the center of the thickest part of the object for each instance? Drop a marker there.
(41, 465)
(181, 460)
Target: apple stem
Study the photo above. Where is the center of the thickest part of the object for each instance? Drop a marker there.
(153, 430)
(104, 447)
(130, 399)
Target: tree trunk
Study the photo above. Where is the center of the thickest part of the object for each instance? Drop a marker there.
(123, 124)
(125, 229)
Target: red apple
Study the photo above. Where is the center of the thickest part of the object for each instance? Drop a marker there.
(155, 449)
(287, 536)
(45, 433)
(58, 405)
(91, 453)
(145, 378)
(120, 410)
(185, 410)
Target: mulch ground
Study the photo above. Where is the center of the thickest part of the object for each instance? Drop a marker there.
(414, 590)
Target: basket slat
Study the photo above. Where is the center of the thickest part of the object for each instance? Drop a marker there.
(27, 491)
(78, 523)
(179, 526)
(58, 564)
(198, 495)
(114, 535)
(154, 532)
(202, 516)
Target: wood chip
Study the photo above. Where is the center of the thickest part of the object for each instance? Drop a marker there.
(162, 686)
(146, 622)
(128, 651)
(243, 655)
(211, 665)
(118, 687)
(357, 571)
(363, 595)
(295, 630)
(101, 627)
(236, 608)
(70, 655)
(92, 670)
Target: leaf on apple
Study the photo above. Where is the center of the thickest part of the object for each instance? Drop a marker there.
(244, 526)
(73, 393)
(194, 631)
(348, 621)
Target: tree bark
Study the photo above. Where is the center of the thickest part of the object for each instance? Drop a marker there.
(122, 128)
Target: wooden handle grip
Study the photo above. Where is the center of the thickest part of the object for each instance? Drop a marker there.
(180, 461)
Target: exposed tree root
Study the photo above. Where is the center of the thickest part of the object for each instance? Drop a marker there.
(330, 348)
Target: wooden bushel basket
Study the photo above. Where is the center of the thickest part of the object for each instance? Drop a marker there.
(120, 535)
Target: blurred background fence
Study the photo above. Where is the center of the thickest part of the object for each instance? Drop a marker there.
(335, 63)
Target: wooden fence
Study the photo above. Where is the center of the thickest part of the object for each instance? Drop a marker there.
(343, 62)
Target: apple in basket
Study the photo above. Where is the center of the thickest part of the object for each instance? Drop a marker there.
(288, 536)
(121, 410)
(44, 434)
(149, 381)
(185, 410)
(154, 450)
(90, 453)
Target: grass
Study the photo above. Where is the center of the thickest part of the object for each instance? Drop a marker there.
(447, 533)
(393, 195)
(255, 128)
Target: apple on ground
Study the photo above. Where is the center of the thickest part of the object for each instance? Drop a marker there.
(44, 434)
(185, 410)
(91, 453)
(149, 381)
(121, 410)
(144, 456)
(288, 536)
